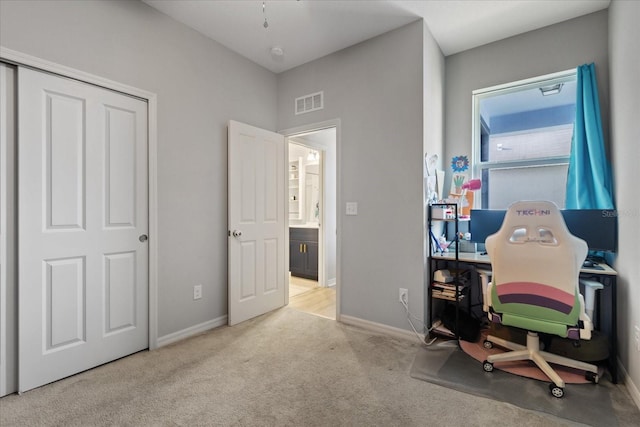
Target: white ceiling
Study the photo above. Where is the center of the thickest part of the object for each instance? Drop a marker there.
(310, 29)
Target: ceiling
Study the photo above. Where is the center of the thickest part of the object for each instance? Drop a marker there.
(309, 29)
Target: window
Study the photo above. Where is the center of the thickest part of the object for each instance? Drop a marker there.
(522, 139)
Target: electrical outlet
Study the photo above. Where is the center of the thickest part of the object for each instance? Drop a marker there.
(403, 295)
(197, 292)
(637, 336)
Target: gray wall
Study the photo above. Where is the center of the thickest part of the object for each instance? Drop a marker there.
(433, 97)
(375, 89)
(554, 48)
(624, 52)
(433, 129)
(200, 85)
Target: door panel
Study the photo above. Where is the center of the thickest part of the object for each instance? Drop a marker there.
(120, 167)
(120, 292)
(296, 258)
(312, 260)
(65, 146)
(271, 259)
(256, 222)
(83, 203)
(248, 284)
(65, 303)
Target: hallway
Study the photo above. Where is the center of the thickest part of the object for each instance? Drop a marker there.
(306, 296)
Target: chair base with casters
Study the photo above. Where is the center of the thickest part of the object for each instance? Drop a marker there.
(541, 358)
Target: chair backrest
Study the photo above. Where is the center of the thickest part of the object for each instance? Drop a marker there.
(536, 264)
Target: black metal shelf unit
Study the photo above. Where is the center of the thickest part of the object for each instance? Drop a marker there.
(455, 291)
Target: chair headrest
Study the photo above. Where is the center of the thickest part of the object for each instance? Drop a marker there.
(534, 221)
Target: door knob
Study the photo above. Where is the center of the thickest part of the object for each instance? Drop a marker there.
(143, 238)
(237, 233)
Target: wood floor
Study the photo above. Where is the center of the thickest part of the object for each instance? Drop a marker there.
(307, 296)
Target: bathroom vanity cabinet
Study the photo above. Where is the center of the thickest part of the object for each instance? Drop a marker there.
(303, 252)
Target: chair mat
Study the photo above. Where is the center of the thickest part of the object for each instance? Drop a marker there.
(445, 364)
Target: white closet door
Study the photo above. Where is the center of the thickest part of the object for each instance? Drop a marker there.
(8, 288)
(83, 220)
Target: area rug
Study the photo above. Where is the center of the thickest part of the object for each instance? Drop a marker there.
(445, 364)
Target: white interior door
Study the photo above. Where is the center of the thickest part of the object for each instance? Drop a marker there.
(257, 221)
(83, 220)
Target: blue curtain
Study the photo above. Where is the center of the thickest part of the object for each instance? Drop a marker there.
(589, 183)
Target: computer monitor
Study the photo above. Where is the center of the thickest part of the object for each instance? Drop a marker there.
(597, 227)
(485, 222)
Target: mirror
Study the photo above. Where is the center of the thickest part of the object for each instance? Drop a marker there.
(312, 194)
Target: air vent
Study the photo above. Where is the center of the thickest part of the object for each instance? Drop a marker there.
(308, 103)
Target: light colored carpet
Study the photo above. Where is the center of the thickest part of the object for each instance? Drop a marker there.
(285, 368)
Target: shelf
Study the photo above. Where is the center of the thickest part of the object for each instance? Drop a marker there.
(447, 291)
(436, 295)
(295, 206)
(438, 328)
(454, 292)
(448, 287)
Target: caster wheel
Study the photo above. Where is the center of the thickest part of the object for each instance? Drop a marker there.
(556, 391)
(593, 377)
(487, 344)
(487, 366)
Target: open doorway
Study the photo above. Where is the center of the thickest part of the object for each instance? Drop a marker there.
(312, 208)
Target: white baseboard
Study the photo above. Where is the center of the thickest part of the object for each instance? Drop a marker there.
(379, 327)
(331, 283)
(191, 331)
(623, 376)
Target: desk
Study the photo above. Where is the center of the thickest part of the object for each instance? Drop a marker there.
(606, 303)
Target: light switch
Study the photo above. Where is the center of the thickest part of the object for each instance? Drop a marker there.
(352, 208)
